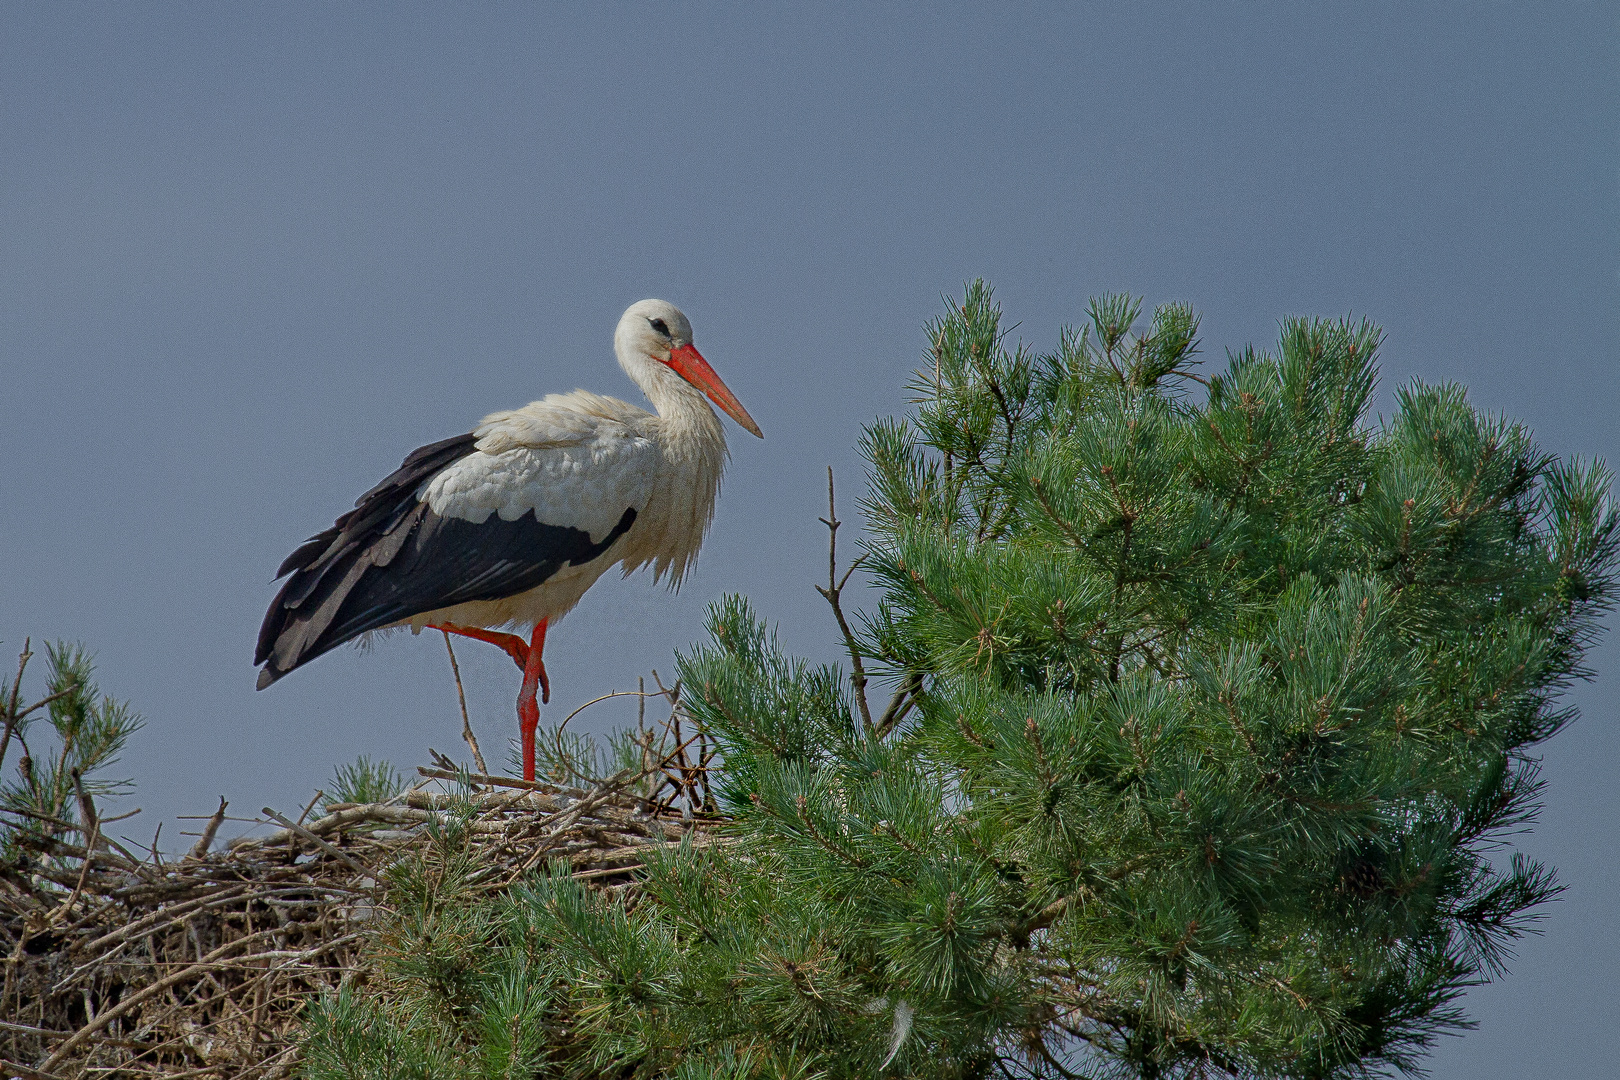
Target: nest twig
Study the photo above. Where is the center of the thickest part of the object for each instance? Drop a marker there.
(201, 967)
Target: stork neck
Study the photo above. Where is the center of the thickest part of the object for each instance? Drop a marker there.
(685, 414)
(683, 411)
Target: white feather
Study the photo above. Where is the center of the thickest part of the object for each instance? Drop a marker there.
(899, 1030)
(561, 458)
(580, 460)
(903, 1013)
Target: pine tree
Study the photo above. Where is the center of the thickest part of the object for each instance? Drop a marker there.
(59, 777)
(1212, 709)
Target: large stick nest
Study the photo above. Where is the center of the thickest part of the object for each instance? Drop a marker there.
(117, 966)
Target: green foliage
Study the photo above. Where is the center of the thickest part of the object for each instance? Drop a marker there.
(57, 779)
(1212, 715)
(365, 781)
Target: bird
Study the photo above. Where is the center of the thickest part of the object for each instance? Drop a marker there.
(508, 525)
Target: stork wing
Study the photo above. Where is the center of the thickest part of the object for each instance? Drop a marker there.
(456, 524)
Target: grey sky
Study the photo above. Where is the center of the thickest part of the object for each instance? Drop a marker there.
(251, 255)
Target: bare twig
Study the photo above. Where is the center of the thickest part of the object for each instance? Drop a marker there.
(643, 736)
(833, 592)
(92, 838)
(11, 716)
(310, 806)
(157, 855)
(684, 777)
(461, 696)
(200, 848)
(312, 838)
(13, 1068)
(87, 809)
(604, 697)
(485, 778)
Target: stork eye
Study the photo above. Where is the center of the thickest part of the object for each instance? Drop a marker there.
(659, 325)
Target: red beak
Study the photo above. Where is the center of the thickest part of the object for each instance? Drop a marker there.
(690, 365)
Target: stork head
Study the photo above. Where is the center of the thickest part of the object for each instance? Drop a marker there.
(654, 339)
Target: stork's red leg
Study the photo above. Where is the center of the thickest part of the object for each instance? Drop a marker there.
(528, 656)
(514, 646)
(534, 678)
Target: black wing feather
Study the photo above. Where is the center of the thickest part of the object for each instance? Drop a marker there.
(392, 557)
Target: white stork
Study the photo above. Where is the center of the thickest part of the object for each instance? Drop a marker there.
(510, 524)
